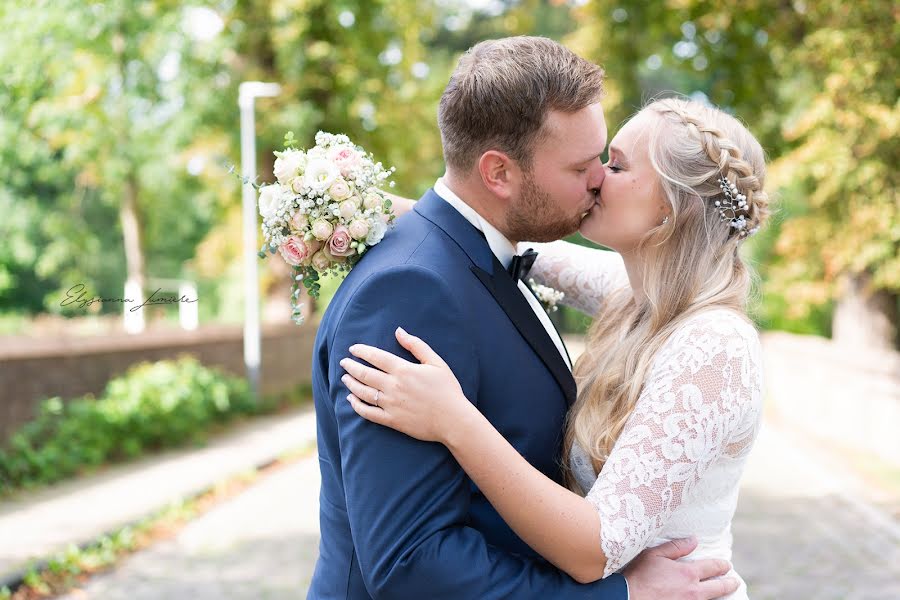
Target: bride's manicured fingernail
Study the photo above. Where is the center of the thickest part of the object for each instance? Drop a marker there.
(401, 331)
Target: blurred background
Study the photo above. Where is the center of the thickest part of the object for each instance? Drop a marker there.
(119, 124)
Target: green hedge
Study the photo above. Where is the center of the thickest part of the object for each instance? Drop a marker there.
(152, 406)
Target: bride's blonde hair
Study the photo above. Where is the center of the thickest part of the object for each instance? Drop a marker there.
(691, 263)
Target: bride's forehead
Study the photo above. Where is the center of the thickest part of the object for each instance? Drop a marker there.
(633, 137)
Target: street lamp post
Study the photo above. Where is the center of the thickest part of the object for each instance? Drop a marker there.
(247, 94)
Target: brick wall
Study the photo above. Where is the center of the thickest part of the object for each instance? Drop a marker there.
(33, 369)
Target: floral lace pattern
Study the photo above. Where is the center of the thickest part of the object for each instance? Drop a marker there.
(675, 469)
(585, 275)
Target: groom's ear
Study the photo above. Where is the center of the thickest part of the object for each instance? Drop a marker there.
(500, 174)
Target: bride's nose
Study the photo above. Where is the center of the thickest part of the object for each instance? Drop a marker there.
(597, 177)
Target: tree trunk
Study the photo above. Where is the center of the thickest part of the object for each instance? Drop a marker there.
(129, 216)
(866, 318)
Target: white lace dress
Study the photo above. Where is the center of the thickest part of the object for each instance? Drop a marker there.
(676, 468)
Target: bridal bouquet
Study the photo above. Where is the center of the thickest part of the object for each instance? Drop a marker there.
(325, 210)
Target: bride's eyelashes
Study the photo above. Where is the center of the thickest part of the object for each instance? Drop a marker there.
(614, 168)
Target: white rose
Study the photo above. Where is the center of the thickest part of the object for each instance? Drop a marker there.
(376, 233)
(373, 201)
(288, 165)
(348, 209)
(269, 200)
(359, 229)
(297, 184)
(322, 230)
(339, 190)
(320, 174)
(299, 221)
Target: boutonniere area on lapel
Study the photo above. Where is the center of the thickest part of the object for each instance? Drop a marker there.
(548, 296)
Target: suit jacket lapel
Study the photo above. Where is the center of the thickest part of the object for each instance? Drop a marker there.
(556, 329)
(498, 282)
(510, 298)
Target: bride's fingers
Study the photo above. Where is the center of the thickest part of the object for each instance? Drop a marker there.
(387, 362)
(360, 390)
(718, 588)
(366, 375)
(711, 567)
(419, 348)
(367, 411)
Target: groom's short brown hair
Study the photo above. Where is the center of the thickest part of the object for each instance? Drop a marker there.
(501, 91)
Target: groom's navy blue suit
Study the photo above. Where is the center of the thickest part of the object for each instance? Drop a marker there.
(399, 517)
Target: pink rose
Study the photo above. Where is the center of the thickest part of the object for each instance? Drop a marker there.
(339, 244)
(297, 184)
(344, 158)
(322, 230)
(359, 229)
(297, 252)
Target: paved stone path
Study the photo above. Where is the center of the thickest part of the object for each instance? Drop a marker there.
(803, 529)
(801, 532)
(260, 545)
(39, 524)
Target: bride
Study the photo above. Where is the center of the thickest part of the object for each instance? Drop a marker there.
(670, 384)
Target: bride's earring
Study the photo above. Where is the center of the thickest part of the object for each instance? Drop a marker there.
(666, 220)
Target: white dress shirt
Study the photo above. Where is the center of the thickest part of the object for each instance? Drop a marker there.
(504, 250)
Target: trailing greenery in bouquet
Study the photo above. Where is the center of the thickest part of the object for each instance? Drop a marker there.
(325, 210)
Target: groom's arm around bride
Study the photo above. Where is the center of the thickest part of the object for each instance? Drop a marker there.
(407, 502)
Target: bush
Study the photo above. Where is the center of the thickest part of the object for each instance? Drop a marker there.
(153, 405)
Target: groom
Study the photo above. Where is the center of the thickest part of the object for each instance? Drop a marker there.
(522, 133)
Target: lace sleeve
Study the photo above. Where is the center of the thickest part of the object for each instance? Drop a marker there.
(702, 401)
(585, 275)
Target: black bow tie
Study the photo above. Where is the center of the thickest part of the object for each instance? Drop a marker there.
(521, 264)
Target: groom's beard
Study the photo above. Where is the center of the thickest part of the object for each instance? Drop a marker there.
(535, 217)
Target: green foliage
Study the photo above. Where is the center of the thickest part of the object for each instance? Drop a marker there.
(152, 406)
(97, 106)
(816, 83)
(839, 172)
(104, 99)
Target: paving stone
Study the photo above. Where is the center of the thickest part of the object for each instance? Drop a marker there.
(798, 534)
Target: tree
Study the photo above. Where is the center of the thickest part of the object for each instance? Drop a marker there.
(103, 93)
(362, 68)
(840, 172)
(816, 82)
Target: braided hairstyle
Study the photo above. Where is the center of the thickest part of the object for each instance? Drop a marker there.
(729, 149)
(690, 263)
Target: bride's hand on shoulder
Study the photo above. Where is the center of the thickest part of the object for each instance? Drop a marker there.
(399, 205)
(422, 400)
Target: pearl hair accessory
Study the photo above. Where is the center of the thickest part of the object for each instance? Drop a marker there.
(734, 208)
